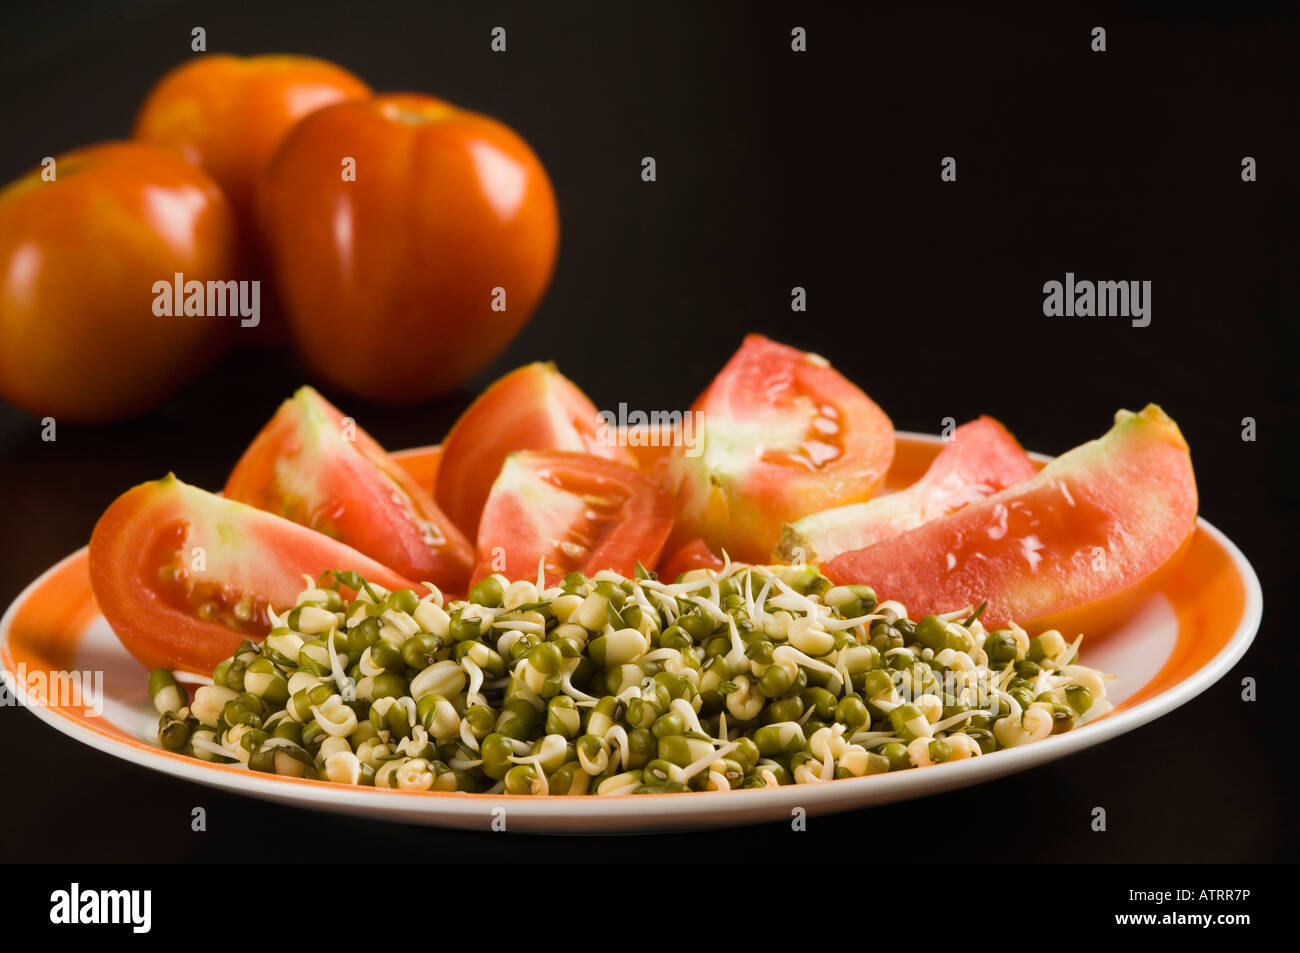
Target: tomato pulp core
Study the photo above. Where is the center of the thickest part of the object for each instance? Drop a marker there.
(823, 442)
(179, 583)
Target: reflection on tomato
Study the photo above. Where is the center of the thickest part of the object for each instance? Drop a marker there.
(227, 114)
(79, 258)
(410, 241)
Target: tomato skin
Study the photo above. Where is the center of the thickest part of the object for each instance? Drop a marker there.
(693, 555)
(980, 459)
(1070, 547)
(542, 505)
(781, 434)
(227, 114)
(312, 465)
(246, 553)
(79, 256)
(402, 263)
(534, 407)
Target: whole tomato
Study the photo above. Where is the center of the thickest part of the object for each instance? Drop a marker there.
(228, 113)
(79, 258)
(410, 241)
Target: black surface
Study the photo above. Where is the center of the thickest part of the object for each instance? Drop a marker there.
(776, 169)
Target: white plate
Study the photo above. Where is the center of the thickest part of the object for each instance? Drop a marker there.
(1182, 640)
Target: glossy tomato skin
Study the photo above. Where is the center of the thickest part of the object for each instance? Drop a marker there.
(227, 114)
(427, 263)
(169, 562)
(318, 468)
(79, 258)
(781, 434)
(534, 407)
(693, 555)
(576, 511)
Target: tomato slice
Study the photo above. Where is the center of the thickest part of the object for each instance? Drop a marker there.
(534, 407)
(1070, 548)
(576, 511)
(693, 555)
(183, 576)
(980, 458)
(780, 434)
(316, 467)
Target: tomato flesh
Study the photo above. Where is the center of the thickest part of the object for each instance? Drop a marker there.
(693, 555)
(312, 465)
(183, 576)
(534, 407)
(782, 435)
(572, 511)
(980, 458)
(1058, 550)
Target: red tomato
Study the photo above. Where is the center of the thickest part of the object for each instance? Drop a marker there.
(1068, 549)
(316, 467)
(80, 338)
(782, 434)
(693, 555)
(980, 458)
(227, 114)
(404, 280)
(576, 511)
(184, 576)
(534, 407)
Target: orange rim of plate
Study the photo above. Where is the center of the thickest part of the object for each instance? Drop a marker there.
(1217, 610)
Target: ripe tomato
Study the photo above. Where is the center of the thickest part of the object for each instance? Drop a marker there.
(79, 256)
(183, 576)
(227, 114)
(1076, 547)
(404, 280)
(534, 407)
(782, 434)
(576, 511)
(312, 465)
(693, 555)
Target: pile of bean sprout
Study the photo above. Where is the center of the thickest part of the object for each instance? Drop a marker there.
(747, 677)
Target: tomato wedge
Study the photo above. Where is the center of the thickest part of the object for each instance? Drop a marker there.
(781, 434)
(1072, 548)
(534, 407)
(979, 459)
(183, 576)
(693, 555)
(316, 467)
(575, 511)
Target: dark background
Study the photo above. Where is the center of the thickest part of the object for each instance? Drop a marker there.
(775, 169)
